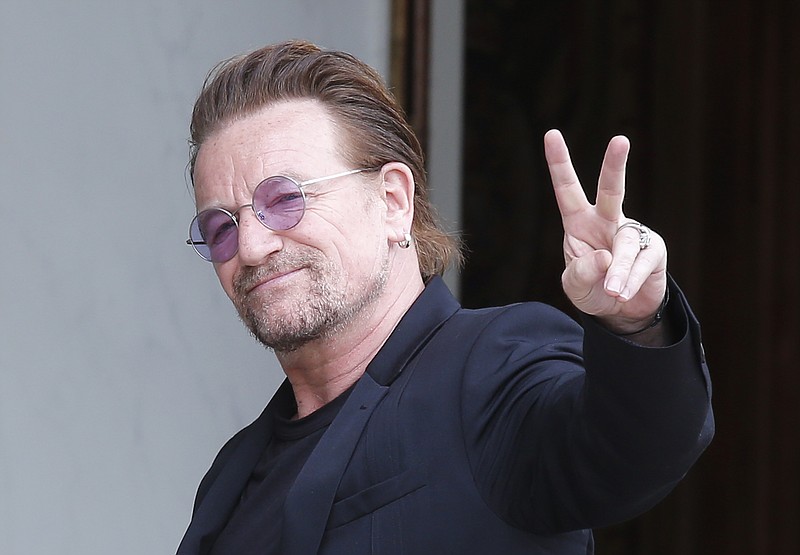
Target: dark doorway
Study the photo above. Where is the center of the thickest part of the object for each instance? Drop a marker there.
(707, 93)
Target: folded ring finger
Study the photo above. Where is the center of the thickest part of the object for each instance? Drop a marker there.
(629, 267)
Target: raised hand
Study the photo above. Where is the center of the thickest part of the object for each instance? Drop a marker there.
(616, 269)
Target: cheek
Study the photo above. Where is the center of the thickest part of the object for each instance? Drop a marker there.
(367, 250)
(225, 274)
(372, 237)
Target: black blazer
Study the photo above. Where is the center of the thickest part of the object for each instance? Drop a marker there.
(503, 430)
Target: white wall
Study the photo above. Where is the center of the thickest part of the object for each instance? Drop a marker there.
(123, 367)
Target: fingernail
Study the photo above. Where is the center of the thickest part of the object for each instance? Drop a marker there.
(625, 294)
(614, 284)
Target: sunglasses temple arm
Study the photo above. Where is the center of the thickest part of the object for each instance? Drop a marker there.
(327, 177)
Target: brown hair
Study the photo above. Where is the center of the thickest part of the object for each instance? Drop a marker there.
(359, 101)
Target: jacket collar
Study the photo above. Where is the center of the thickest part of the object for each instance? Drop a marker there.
(431, 309)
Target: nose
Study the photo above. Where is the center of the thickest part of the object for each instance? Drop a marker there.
(256, 241)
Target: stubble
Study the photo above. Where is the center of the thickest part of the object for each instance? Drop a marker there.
(286, 320)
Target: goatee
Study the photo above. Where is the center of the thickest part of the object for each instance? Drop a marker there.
(285, 320)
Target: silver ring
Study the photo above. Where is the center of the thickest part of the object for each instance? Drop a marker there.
(644, 233)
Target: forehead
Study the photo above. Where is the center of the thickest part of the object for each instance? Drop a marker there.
(296, 137)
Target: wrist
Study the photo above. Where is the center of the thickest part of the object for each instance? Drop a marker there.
(628, 327)
(655, 321)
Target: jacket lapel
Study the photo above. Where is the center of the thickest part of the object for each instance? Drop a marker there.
(215, 505)
(310, 499)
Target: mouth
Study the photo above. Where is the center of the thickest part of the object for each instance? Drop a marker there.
(272, 280)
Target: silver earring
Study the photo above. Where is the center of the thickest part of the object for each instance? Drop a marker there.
(406, 242)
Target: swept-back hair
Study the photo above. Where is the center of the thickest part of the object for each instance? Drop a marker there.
(375, 128)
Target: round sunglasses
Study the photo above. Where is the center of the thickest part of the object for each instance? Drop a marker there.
(279, 203)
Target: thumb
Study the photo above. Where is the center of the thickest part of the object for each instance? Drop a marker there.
(583, 279)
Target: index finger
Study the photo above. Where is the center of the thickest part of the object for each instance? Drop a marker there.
(569, 193)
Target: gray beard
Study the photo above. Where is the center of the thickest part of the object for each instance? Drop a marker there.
(324, 311)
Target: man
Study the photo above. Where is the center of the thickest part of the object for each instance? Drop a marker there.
(407, 424)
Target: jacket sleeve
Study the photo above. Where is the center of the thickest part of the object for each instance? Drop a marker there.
(570, 429)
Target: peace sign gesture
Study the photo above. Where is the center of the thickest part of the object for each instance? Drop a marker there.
(616, 268)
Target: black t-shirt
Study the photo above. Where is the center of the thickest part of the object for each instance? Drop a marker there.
(255, 525)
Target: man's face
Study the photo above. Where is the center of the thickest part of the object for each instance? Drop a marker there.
(295, 286)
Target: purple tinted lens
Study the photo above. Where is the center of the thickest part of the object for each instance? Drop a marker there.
(214, 235)
(279, 203)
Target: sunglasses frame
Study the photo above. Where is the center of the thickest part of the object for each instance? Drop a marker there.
(234, 216)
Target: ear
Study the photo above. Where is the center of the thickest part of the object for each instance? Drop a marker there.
(398, 194)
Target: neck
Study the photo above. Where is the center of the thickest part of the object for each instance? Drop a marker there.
(323, 369)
